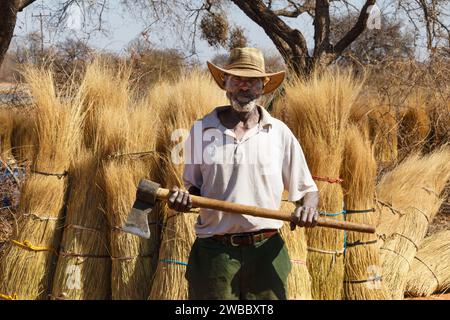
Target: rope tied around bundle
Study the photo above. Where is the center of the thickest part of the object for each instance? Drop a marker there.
(398, 254)
(26, 244)
(299, 262)
(171, 261)
(9, 297)
(405, 237)
(335, 253)
(431, 270)
(328, 179)
(361, 243)
(40, 218)
(51, 174)
(132, 257)
(374, 279)
(140, 154)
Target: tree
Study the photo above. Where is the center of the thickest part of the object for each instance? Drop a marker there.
(9, 10)
(433, 15)
(374, 46)
(291, 42)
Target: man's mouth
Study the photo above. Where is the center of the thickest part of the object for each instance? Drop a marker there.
(244, 98)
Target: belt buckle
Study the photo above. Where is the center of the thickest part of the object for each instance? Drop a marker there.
(232, 242)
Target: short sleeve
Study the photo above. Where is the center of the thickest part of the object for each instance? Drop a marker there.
(297, 178)
(192, 175)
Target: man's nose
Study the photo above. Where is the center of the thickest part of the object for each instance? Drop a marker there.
(244, 86)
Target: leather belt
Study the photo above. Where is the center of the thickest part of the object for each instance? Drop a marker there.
(246, 239)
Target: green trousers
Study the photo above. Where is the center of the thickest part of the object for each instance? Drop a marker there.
(223, 272)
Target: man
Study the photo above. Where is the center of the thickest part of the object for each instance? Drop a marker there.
(239, 153)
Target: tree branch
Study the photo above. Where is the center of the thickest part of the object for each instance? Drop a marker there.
(293, 10)
(290, 42)
(355, 31)
(321, 28)
(23, 4)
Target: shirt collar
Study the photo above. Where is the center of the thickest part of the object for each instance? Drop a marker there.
(211, 120)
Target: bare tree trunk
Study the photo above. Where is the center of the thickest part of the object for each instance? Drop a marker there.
(8, 11)
(290, 42)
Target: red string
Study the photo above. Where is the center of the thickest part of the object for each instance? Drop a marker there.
(328, 179)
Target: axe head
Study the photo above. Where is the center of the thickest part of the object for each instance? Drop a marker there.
(137, 221)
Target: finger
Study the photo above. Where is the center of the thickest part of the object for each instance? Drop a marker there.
(185, 199)
(179, 201)
(303, 218)
(292, 225)
(309, 221)
(189, 202)
(295, 216)
(172, 197)
(315, 218)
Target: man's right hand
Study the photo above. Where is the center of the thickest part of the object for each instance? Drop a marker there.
(180, 200)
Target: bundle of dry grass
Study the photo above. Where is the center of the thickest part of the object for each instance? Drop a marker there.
(299, 280)
(192, 97)
(122, 132)
(430, 269)
(133, 258)
(320, 108)
(177, 238)
(414, 126)
(6, 127)
(362, 279)
(24, 139)
(108, 96)
(83, 269)
(359, 116)
(439, 114)
(383, 130)
(413, 189)
(28, 263)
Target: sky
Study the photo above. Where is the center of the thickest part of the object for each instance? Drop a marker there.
(123, 27)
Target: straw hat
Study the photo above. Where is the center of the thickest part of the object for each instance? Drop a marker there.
(246, 62)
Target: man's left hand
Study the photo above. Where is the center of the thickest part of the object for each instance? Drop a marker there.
(304, 217)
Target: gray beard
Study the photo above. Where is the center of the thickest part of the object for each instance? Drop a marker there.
(243, 108)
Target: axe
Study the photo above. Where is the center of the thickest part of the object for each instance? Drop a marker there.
(148, 192)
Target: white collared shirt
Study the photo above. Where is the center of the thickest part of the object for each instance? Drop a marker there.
(252, 171)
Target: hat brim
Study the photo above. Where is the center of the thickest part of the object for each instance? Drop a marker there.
(275, 79)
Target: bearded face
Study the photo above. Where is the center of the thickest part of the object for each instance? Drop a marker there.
(243, 92)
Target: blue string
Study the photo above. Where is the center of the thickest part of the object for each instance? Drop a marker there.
(331, 214)
(174, 262)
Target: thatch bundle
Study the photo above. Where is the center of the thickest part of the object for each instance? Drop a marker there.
(414, 189)
(122, 132)
(24, 139)
(177, 238)
(362, 279)
(299, 280)
(439, 114)
(414, 127)
(108, 95)
(28, 263)
(192, 97)
(430, 269)
(84, 266)
(359, 116)
(383, 130)
(133, 258)
(6, 128)
(321, 105)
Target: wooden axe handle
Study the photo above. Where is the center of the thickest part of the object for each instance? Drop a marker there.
(202, 202)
